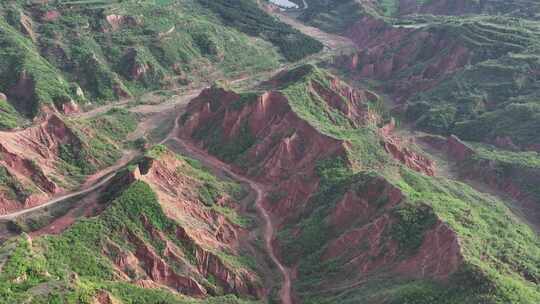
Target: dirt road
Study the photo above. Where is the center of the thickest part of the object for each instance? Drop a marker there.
(92, 183)
(185, 147)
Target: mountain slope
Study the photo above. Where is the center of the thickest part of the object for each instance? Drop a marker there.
(169, 227)
(66, 55)
(343, 226)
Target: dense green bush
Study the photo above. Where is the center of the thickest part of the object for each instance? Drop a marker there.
(412, 222)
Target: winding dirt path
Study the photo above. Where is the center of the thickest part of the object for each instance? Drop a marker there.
(186, 147)
(88, 186)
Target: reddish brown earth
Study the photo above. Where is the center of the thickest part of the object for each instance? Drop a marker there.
(116, 22)
(399, 149)
(51, 16)
(104, 297)
(205, 229)
(384, 51)
(186, 147)
(288, 147)
(29, 156)
(284, 156)
(368, 247)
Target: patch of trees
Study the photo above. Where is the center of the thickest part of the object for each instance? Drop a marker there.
(247, 17)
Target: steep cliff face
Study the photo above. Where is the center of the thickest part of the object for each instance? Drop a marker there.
(29, 158)
(452, 75)
(341, 224)
(205, 225)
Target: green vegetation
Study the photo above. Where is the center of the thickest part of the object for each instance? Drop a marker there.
(212, 189)
(522, 169)
(335, 178)
(9, 117)
(53, 260)
(247, 17)
(496, 95)
(499, 250)
(297, 85)
(227, 149)
(12, 188)
(412, 223)
(116, 124)
(39, 81)
(96, 143)
(148, 46)
(156, 151)
(333, 16)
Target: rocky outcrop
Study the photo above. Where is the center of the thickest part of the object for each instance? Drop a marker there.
(438, 257)
(70, 107)
(413, 160)
(134, 69)
(27, 27)
(160, 272)
(370, 247)
(283, 155)
(239, 282)
(286, 148)
(458, 149)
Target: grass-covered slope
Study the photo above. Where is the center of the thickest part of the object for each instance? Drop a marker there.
(121, 48)
(500, 254)
(132, 252)
(339, 15)
(315, 107)
(496, 94)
